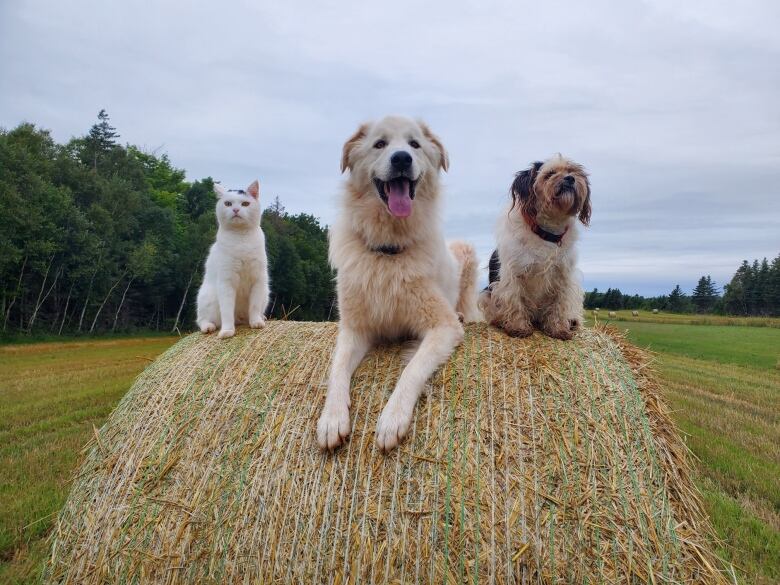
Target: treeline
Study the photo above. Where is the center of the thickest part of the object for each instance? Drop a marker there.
(96, 236)
(754, 290)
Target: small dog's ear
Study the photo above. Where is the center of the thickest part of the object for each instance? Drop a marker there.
(219, 190)
(254, 189)
(522, 190)
(444, 158)
(350, 144)
(585, 209)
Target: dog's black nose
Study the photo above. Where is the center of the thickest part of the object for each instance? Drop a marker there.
(568, 179)
(401, 160)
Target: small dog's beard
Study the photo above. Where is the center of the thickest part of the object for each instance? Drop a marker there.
(558, 205)
(566, 201)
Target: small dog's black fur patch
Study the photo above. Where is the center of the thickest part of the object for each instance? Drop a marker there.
(493, 267)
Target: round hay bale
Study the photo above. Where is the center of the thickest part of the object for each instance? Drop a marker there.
(635, 313)
(612, 314)
(530, 461)
(655, 311)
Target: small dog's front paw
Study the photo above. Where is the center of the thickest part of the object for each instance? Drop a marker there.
(207, 327)
(225, 333)
(392, 427)
(519, 330)
(257, 323)
(333, 426)
(564, 333)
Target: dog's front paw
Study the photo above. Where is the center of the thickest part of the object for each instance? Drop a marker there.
(333, 426)
(561, 332)
(207, 327)
(225, 333)
(257, 323)
(394, 423)
(518, 329)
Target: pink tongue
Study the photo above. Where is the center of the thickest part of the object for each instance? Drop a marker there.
(398, 199)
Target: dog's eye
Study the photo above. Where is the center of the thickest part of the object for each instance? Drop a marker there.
(245, 204)
(228, 203)
(414, 144)
(380, 144)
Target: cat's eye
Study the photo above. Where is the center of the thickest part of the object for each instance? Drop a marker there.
(414, 144)
(228, 203)
(245, 204)
(380, 144)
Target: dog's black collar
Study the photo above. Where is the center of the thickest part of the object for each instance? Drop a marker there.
(387, 250)
(548, 236)
(543, 233)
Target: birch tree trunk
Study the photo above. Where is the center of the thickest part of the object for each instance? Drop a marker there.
(89, 294)
(105, 300)
(122, 302)
(39, 302)
(16, 294)
(65, 312)
(183, 300)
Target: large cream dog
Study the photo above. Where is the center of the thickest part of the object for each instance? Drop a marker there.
(397, 279)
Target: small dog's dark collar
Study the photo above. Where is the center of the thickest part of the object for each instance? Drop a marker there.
(543, 233)
(388, 250)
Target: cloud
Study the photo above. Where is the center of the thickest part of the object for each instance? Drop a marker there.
(672, 108)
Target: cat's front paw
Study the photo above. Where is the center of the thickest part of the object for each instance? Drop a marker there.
(225, 333)
(257, 323)
(207, 327)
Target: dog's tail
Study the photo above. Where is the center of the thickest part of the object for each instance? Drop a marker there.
(466, 257)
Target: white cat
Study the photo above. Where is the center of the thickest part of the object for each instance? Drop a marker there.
(235, 287)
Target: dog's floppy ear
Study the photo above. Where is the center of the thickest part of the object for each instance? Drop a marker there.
(444, 158)
(350, 144)
(522, 190)
(585, 209)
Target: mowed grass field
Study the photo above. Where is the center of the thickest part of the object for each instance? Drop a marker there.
(723, 384)
(722, 381)
(51, 396)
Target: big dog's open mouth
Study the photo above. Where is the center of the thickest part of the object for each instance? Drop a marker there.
(397, 194)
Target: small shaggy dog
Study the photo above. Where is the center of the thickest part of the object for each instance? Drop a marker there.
(397, 279)
(532, 270)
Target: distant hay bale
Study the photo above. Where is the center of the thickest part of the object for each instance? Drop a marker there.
(612, 314)
(655, 311)
(530, 461)
(635, 313)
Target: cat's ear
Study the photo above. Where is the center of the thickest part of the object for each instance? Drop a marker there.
(219, 190)
(254, 189)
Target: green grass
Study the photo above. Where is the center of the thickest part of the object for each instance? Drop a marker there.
(684, 318)
(722, 382)
(51, 395)
(724, 388)
(755, 347)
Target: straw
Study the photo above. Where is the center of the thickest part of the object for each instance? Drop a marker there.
(530, 461)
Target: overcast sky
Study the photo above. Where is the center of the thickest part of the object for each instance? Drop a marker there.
(674, 107)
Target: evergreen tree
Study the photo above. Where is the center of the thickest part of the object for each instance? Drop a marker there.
(677, 302)
(705, 295)
(100, 139)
